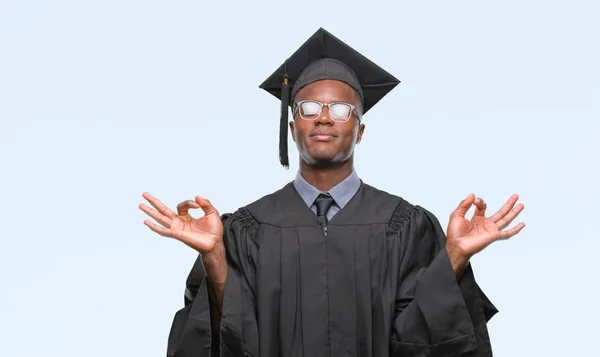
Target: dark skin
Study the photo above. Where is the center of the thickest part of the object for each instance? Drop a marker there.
(325, 161)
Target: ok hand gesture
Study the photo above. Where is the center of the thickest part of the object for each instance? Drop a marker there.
(468, 237)
(202, 234)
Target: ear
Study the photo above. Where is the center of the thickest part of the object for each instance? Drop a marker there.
(293, 131)
(361, 130)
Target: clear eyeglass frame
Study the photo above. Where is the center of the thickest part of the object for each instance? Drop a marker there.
(328, 105)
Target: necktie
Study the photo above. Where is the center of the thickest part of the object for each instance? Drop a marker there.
(323, 203)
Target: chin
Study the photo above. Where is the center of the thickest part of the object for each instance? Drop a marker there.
(325, 158)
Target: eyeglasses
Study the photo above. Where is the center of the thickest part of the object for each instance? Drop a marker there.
(311, 110)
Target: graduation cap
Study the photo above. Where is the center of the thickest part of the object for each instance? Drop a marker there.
(324, 56)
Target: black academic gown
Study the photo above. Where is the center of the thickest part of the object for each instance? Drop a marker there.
(378, 284)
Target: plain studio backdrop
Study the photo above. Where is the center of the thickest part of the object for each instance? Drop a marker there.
(103, 100)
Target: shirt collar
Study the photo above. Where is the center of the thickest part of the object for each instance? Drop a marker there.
(342, 193)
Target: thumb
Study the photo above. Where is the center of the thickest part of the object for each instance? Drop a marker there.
(464, 206)
(206, 206)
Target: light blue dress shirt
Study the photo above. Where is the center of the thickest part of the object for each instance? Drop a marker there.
(342, 193)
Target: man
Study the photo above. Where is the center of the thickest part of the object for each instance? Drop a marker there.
(328, 265)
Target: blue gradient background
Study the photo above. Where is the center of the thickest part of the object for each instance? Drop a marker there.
(102, 100)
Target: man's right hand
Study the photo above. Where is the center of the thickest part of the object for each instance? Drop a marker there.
(203, 234)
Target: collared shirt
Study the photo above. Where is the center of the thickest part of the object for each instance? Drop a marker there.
(342, 193)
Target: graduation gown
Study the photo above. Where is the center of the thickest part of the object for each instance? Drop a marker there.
(378, 282)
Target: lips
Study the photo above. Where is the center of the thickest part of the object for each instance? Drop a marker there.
(322, 135)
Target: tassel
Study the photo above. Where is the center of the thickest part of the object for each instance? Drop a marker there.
(283, 129)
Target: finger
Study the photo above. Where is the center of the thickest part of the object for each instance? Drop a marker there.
(480, 207)
(464, 206)
(160, 207)
(184, 207)
(158, 229)
(505, 209)
(510, 232)
(206, 206)
(506, 220)
(159, 217)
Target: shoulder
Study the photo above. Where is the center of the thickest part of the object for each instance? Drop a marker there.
(255, 212)
(379, 195)
(270, 202)
(404, 213)
(418, 219)
(378, 200)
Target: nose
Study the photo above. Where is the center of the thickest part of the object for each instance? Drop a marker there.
(324, 118)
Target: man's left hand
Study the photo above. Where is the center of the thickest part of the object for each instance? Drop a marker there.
(468, 237)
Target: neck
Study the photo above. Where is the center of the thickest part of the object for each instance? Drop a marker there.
(325, 177)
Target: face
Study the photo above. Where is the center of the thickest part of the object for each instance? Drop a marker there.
(323, 140)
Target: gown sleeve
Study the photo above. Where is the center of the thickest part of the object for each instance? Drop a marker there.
(436, 314)
(191, 333)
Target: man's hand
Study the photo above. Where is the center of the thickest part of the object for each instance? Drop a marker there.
(468, 237)
(203, 234)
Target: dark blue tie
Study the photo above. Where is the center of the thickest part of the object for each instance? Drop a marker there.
(323, 203)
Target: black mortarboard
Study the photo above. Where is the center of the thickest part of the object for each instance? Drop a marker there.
(324, 56)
